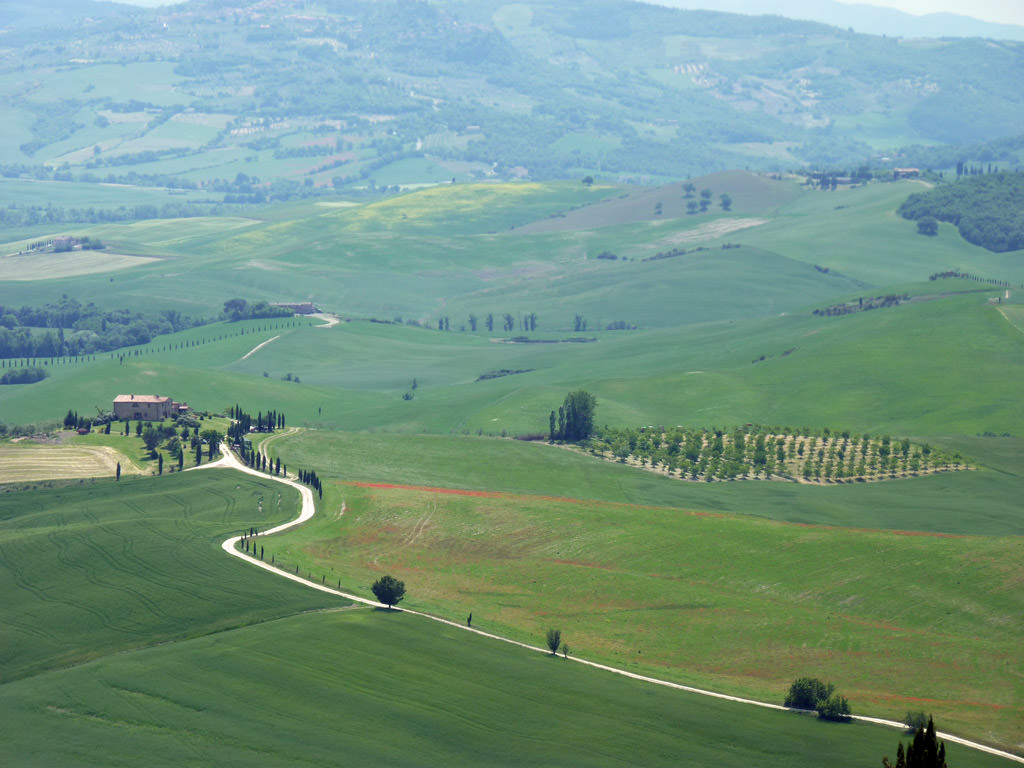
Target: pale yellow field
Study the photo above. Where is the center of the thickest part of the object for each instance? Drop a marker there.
(27, 461)
(47, 266)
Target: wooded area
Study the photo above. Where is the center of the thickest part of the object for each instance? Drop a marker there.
(987, 209)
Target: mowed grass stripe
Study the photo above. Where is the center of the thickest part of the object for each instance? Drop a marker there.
(390, 689)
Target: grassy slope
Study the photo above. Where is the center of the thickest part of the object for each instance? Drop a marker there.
(903, 370)
(306, 690)
(921, 369)
(92, 569)
(983, 502)
(717, 601)
(857, 233)
(450, 251)
(210, 675)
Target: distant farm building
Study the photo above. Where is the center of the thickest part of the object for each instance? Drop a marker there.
(303, 308)
(906, 173)
(146, 407)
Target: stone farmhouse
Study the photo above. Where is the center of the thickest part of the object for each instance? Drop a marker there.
(146, 407)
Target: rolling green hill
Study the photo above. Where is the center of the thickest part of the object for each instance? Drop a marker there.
(365, 96)
(798, 308)
(313, 688)
(180, 653)
(95, 569)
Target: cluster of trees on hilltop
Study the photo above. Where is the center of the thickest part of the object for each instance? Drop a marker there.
(987, 209)
(75, 329)
(240, 309)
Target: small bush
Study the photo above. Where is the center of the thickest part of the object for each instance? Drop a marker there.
(807, 693)
(915, 721)
(835, 707)
(23, 376)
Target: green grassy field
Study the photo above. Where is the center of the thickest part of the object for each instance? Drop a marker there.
(902, 371)
(81, 195)
(719, 601)
(982, 502)
(178, 651)
(737, 585)
(307, 690)
(103, 567)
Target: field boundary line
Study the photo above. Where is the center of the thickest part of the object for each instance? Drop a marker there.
(228, 460)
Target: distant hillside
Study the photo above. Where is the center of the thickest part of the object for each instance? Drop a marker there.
(23, 15)
(865, 17)
(235, 102)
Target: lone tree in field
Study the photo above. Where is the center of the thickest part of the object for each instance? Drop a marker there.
(575, 418)
(388, 590)
(554, 640)
(925, 751)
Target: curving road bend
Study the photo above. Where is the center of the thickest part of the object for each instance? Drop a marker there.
(229, 460)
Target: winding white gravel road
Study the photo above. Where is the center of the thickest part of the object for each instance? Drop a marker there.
(230, 461)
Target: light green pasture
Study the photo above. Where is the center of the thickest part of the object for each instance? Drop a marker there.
(731, 603)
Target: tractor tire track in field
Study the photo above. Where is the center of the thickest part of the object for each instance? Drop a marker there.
(63, 547)
(309, 509)
(420, 527)
(22, 583)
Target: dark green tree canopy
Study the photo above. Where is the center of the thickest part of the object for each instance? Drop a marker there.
(928, 226)
(575, 418)
(554, 640)
(925, 751)
(807, 692)
(986, 209)
(388, 590)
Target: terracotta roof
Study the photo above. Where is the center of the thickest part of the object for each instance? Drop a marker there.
(141, 399)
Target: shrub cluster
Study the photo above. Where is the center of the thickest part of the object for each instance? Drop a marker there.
(812, 694)
(23, 376)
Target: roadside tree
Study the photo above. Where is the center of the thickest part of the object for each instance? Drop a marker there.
(554, 640)
(806, 692)
(925, 751)
(388, 590)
